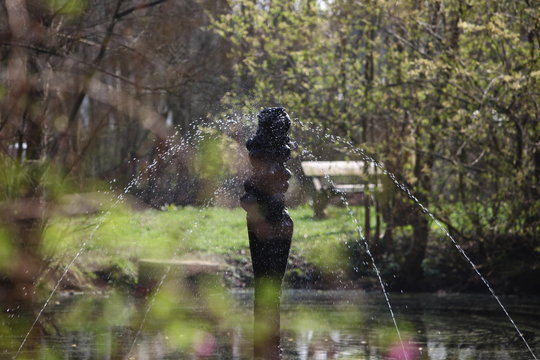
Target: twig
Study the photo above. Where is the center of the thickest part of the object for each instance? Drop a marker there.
(87, 79)
(138, 7)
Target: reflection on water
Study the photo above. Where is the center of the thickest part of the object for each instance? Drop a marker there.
(315, 325)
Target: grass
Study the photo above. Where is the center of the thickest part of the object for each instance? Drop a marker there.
(121, 234)
(117, 238)
(111, 243)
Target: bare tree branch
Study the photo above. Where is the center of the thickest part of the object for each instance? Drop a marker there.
(87, 79)
(138, 7)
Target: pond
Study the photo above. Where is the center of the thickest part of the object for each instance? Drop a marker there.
(315, 325)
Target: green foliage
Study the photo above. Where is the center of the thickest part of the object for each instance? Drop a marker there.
(215, 161)
(445, 93)
(305, 318)
(72, 8)
(32, 178)
(7, 250)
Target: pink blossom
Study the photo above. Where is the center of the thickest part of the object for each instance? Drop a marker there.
(204, 344)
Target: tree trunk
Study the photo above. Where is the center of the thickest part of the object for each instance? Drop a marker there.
(412, 268)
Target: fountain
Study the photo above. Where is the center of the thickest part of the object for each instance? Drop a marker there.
(269, 225)
(270, 231)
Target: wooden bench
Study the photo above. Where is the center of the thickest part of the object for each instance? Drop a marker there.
(325, 176)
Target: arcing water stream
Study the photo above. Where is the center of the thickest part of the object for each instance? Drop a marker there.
(364, 241)
(172, 149)
(358, 151)
(166, 274)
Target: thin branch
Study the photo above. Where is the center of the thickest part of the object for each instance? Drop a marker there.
(93, 136)
(92, 66)
(138, 7)
(87, 79)
(442, 157)
(451, 228)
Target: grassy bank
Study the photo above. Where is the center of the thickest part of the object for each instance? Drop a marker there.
(325, 253)
(161, 233)
(115, 240)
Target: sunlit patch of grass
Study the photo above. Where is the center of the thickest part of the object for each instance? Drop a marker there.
(119, 236)
(213, 229)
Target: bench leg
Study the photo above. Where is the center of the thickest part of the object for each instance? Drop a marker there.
(320, 202)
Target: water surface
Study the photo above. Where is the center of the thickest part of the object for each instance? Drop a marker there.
(315, 325)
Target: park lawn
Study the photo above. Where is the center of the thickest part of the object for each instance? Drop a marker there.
(121, 235)
(113, 241)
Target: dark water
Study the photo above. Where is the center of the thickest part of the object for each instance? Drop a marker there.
(315, 325)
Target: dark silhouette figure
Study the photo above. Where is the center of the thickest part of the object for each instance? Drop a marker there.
(269, 225)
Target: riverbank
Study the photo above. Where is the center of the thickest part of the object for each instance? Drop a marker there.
(325, 254)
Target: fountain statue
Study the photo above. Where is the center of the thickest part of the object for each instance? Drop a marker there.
(269, 225)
